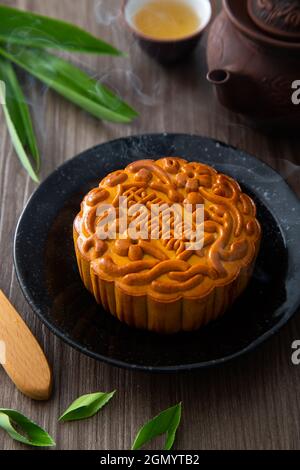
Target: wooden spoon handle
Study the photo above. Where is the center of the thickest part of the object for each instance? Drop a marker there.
(25, 362)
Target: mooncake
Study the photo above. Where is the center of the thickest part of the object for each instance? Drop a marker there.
(167, 284)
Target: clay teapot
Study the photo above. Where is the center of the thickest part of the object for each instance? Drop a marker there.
(254, 59)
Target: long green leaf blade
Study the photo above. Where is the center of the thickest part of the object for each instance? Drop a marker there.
(18, 110)
(86, 406)
(17, 142)
(34, 435)
(72, 83)
(166, 422)
(33, 30)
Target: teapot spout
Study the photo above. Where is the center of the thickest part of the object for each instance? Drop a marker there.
(234, 91)
(218, 76)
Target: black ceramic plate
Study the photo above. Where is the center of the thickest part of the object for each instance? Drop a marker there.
(48, 275)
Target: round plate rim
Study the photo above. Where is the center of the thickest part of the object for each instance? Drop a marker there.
(119, 363)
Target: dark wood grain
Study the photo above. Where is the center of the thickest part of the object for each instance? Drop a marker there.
(250, 403)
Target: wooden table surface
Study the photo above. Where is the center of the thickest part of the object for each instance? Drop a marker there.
(251, 403)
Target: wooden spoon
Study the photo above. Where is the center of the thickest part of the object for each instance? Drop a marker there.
(25, 362)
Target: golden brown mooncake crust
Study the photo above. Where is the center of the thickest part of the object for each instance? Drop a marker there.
(159, 285)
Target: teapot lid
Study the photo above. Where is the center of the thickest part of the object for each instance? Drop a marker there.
(279, 18)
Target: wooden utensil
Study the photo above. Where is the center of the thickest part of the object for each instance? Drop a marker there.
(25, 362)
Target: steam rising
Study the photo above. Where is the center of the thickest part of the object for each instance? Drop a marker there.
(131, 81)
(107, 14)
(121, 75)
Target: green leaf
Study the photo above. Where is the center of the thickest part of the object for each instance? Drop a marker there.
(166, 422)
(29, 29)
(18, 110)
(72, 83)
(16, 141)
(86, 406)
(34, 435)
(18, 146)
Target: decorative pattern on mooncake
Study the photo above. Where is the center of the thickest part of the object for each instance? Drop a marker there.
(160, 284)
